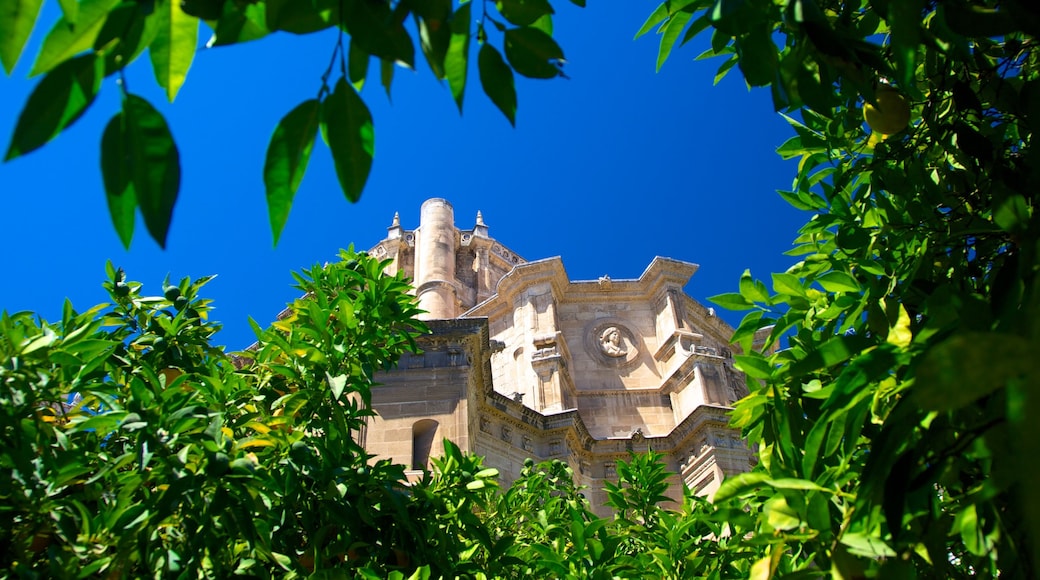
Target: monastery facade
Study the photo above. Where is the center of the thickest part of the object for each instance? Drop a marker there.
(524, 362)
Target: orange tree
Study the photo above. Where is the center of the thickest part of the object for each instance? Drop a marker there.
(132, 447)
(898, 427)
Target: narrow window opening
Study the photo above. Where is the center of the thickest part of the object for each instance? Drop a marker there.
(423, 434)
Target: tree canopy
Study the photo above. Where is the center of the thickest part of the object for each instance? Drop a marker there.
(896, 427)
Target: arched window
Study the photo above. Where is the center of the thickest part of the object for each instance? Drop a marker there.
(423, 434)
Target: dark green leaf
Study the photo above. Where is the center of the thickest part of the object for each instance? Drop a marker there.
(119, 39)
(835, 350)
(56, 103)
(456, 61)
(357, 65)
(969, 366)
(904, 18)
(758, 57)
(378, 30)
(66, 40)
(523, 12)
(241, 24)
(119, 187)
(17, 18)
(386, 75)
(533, 53)
(347, 126)
(497, 80)
(435, 37)
(287, 158)
(154, 164)
(301, 17)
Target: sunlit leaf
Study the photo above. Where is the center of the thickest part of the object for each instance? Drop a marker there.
(17, 19)
(173, 48)
(67, 39)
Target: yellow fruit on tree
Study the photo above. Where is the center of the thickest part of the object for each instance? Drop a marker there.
(890, 115)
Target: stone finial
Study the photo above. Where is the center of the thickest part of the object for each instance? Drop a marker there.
(481, 228)
(395, 227)
(397, 220)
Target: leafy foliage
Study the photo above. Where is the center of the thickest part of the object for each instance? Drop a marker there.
(96, 39)
(897, 428)
(132, 447)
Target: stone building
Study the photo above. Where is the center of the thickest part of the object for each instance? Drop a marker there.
(524, 362)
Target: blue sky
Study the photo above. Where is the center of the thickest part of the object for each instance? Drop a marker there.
(608, 168)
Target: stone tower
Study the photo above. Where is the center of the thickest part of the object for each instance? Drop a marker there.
(524, 362)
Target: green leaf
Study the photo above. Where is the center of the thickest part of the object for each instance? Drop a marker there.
(533, 53)
(904, 19)
(56, 103)
(753, 366)
(656, 17)
(758, 57)
(545, 24)
(670, 35)
(69, 10)
(386, 75)
(739, 484)
(173, 48)
(900, 334)
(752, 291)
(836, 281)
(115, 173)
(732, 301)
(788, 284)
(523, 12)
(497, 80)
(969, 366)
(779, 515)
(378, 30)
(154, 164)
(456, 60)
(357, 65)
(17, 18)
(435, 35)
(835, 350)
(67, 39)
(287, 158)
(347, 126)
(301, 17)
(241, 24)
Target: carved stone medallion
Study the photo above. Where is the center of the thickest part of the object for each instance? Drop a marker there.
(611, 343)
